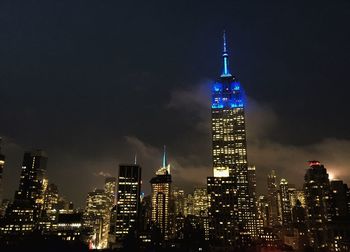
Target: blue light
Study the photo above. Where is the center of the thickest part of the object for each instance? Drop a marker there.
(217, 105)
(235, 86)
(237, 105)
(217, 87)
(227, 95)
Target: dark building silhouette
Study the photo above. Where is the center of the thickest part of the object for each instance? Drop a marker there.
(272, 198)
(339, 229)
(318, 204)
(23, 215)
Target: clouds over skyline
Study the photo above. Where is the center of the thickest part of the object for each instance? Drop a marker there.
(189, 154)
(264, 151)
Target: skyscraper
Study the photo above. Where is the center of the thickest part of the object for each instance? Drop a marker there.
(230, 164)
(128, 200)
(97, 218)
(178, 197)
(22, 216)
(339, 229)
(200, 202)
(286, 209)
(2, 164)
(51, 201)
(318, 204)
(272, 199)
(110, 186)
(161, 193)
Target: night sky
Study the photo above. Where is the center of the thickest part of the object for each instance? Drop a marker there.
(93, 82)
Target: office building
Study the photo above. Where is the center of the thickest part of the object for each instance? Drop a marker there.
(286, 208)
(318, 204)
(128, 207)
(230, 163)
(161, 196)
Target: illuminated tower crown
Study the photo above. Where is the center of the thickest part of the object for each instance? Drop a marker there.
(227, 92)
(165, 169)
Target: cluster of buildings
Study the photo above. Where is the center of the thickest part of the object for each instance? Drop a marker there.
(225, 214)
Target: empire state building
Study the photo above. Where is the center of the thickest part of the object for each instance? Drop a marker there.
(231, 213)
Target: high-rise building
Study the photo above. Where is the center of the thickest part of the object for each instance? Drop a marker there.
(51, 198)
(339, 228)
(23, 214)
(286, 209)
(97, 219)
(223, 223)
(200, 202)
(110, 187)
(252, 224)
(230, 163)
(340, 199)
(2, 164)
(272, 198)
(178, 197)
(299, 224)
(318, 204)
(161, 196)
(128, 200)
(263, 212)
(189, 205)
(33, 183)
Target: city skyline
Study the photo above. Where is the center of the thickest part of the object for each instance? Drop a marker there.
(174, 97)
(254, 159)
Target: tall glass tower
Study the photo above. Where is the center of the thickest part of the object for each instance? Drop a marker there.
(230, 191)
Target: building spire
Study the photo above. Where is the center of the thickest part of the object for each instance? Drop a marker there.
(225, 72)
(165, 162)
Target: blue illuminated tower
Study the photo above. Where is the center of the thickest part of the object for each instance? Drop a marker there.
(232, 210)
(228, 125)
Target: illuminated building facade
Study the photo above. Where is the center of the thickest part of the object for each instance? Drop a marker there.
(110, 189)
(97, 218)
(189, 202)
(262, 212)
(223, 224)
(200, 202)
(128, 200)
(178, 197)
(230, 163)
(2, 164)
(286, 209)
(318, 204)
(51, 201)
(161, 196)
